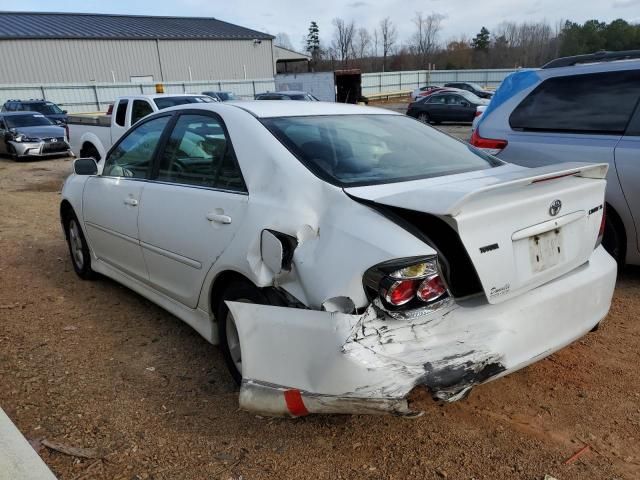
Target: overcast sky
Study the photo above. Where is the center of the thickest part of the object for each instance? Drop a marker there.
(293, 16)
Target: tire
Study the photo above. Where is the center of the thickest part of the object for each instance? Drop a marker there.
(424, 117)
(78, 248)
(90, 151)
(614, 240)
(11, 151)
(239, 291)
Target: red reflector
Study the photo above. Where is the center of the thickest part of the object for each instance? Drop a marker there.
(110, 109)
(294, 402)
(478, 113)
(431, 288)
(490, 145)
(401, 292)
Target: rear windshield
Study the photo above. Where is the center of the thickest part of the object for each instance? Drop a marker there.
(18, 121)
(46, 108)
(351, 150)
(166, 102)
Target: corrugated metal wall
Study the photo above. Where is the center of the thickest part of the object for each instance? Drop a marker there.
(65, 61)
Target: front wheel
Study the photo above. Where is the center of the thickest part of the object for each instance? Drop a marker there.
(424, 117)
(78, 249)
(237, 291)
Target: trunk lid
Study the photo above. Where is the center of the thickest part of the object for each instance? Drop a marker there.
(521, 227)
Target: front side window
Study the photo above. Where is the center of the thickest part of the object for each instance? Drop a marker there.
(121, 112)
(132, 157)
(599, 103)
(350, 150)
(139, 110)
(199, 153)
(437, 99)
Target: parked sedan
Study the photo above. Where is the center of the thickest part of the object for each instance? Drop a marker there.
(221, 96)
(346, 255)
(288, 95)
(440, 107)
(471, 87)
(31, 134)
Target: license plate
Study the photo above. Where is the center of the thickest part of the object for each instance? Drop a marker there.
(545, 250)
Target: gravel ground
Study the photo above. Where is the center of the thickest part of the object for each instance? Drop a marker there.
(93, 365)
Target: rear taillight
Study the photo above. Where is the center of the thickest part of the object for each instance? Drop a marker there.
(407, 283)
(110, 109)
(603, 223)
(492, 146)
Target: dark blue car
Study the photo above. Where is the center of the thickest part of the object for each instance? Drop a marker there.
(49, 109)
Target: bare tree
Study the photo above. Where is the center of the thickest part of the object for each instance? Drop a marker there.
(282, 40)
(424, 41)
(342, 42)
(388, 37)
(362, 43)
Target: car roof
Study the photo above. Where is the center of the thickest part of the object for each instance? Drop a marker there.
(287, 92)
(277, 108)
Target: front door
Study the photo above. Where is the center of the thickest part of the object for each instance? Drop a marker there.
(111, 201)
(627, 158)
(193, 206)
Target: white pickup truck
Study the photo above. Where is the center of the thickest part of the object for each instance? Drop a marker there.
(92, 135)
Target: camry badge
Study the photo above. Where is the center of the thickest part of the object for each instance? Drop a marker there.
(555, 207)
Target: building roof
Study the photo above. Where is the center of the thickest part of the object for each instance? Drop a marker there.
(29, 25)
(285, 54)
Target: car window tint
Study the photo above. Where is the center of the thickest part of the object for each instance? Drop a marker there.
(139, 110)
(199, 153)
(592, 103)
(133, 155)
(437, 99)
(121, 112)
(350, 150)
(166, 102)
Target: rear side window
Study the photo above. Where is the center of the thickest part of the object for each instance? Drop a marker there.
(599, 103)
(121, 112)
(140, 109)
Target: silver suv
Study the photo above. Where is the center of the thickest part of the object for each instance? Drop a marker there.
(582, 108)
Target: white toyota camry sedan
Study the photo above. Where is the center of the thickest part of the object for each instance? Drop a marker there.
(343, 256)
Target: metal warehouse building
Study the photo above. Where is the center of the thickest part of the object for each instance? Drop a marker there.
(78, 47)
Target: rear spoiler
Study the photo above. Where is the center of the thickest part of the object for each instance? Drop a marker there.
(447, 198)
(534, 175)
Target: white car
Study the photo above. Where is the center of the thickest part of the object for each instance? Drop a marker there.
(343, 256)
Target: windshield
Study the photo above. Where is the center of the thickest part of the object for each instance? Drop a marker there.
(472, 97)
(476, 86)
(166, 102)
(27, 120)
(47, 108)
(350, 150)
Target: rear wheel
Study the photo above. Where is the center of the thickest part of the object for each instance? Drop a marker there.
(237, 291)
(89, 151)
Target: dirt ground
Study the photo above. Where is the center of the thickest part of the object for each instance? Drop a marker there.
(93, 365)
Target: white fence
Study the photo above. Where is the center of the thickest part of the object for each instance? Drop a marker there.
(409, 80)
(96, 97)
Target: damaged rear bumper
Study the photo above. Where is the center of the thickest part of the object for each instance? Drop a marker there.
(298, 361)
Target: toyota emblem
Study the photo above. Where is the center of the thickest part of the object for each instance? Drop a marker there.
(555, 207)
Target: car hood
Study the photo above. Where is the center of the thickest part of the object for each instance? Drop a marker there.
(41, 131)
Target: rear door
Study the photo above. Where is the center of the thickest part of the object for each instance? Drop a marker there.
(627, 157)
(111, 201)
(435, 107)
(193, 207)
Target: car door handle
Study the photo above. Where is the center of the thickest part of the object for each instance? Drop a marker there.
(219, 218)
(131, 201)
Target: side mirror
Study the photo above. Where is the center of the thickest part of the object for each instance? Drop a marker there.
(466, 104)
(64, 111)
(85, 166)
